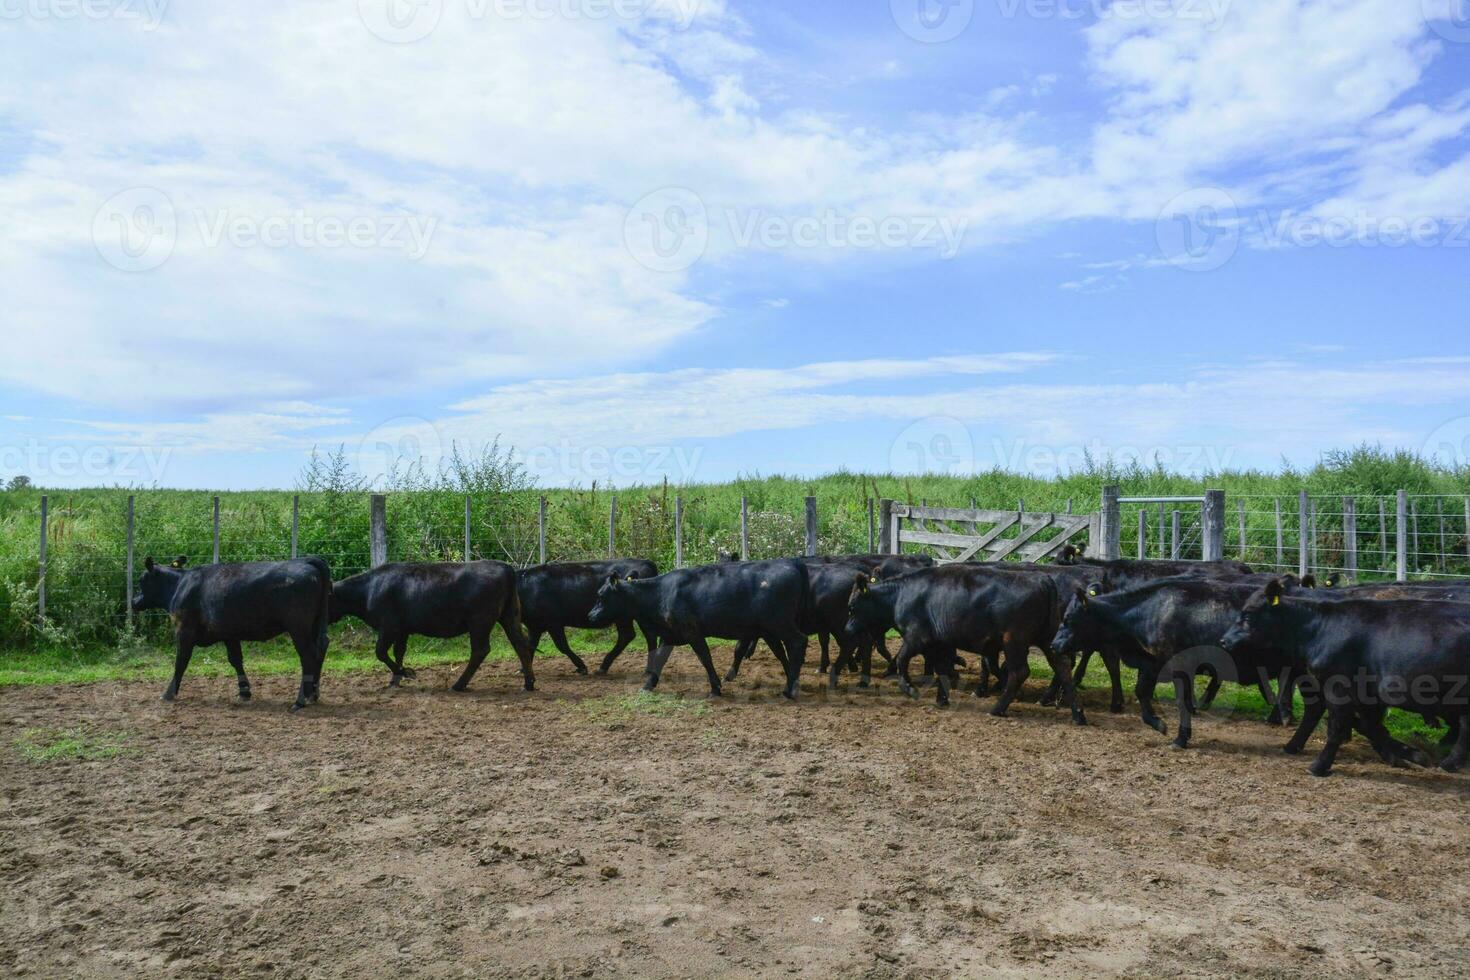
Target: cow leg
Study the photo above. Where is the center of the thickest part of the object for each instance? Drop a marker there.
(1389, 749)
(795, 644)
(558, 635)
(847, 651)
(743, 650)
(237, 661)
(384, 641)
(1456, 759)
(625, 636)
(182, 654)
(880, 642)
(479, 648)
(701, 650)
(1451, 731)
(400, 650)
(906, 651)
(1312, 711)
(1282, 703)
(510, 624)
(824, 640)
(655, 667)
(1184, 702)
(1062, 670)
(1212, 690)
(1339, 730)
(1017, 669)
(311, 663)
(943, 675)
(1144, 691)
(1115, 676)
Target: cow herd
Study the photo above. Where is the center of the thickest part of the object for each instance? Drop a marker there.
(1352, 652)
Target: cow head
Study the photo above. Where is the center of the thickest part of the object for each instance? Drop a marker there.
(1069, 555)
(613, 603)
(865, 610)
(156, 587)
(1259, 618)
(1079, 625)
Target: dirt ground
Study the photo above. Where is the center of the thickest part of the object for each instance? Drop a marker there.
(561, 833)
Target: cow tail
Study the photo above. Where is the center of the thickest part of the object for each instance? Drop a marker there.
(324, 611)
(805, 610)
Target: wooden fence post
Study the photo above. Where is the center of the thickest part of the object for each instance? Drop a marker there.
(895, 538)
(1350, 536)
(130, 561)
(744, 528)
(378, 531)
(1214, 525)
(1280, 537)
(1240, 508)
(678, 531)
(872, 542)
(216, 530)
(466, 529)
(541, 531)
(811, 526)
(612, 528)
(295, 524)
(885, 526)
(1402, 534)
(1112, 525)
(1142, 533)
(1303, 522)
(41, 565)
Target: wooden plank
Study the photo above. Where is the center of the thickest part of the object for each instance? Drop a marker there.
(295, 523)
(41, 569)
(612, 528)
(950, 513)
(1350, 536)
(130, 561)
(1041, 550)
(872, 543)
(216, 530)
(811, 526)
(885, 526)
(1402, 529)
(678, 532)
(467, 529)
(744, 529)
(378, 531)
(1025, 535)
(541, 531)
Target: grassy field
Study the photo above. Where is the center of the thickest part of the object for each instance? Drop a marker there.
(87, 532)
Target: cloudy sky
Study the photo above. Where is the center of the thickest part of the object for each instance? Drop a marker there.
(694, 238)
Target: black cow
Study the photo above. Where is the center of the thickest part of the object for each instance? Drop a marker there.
(754, 600)
(971, 607)
(831, 578)
(439, 599)
(1367, 655)
(559, 596)
(236, 602)
(1174, 626)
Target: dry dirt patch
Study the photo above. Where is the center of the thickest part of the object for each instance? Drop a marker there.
(583, 830)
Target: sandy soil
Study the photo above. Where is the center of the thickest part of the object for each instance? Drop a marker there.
(497, 833)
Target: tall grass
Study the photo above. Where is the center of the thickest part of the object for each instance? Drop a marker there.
(87, 536)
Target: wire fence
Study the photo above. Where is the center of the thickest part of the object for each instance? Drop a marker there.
(72, 584)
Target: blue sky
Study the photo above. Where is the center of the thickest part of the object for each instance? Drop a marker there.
(698, 238)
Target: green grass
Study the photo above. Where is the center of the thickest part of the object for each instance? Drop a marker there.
(50, 744)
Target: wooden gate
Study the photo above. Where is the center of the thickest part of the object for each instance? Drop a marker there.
(956, 535)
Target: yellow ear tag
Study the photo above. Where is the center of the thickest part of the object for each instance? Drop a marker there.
(631, 577)
(1092, 590)
(1275, 600)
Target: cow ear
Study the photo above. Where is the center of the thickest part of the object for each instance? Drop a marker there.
(1334, 580)
(148, 563)
(612, 578)
(180, 561)
(1309, 581)
(862, 582)
(1069, 552)
(1274, 590)
(1081, 595)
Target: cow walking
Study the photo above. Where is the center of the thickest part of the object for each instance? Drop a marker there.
(233, 603)
(439, 599)
(559, 596)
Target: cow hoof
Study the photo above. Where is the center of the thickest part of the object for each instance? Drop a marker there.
(1291, 749)
(1274, 720)
(1450, 765)
(243, 695)
(1116, 708)
(394, 680)
(460, 686)
(997, 712)
(1048, 701)
(788, 695)
(295, 707)
(1319, 770)
(530, 686)
(1178, 746)
(1080, 721)
(1157, 726)
(602, 671)
(409, 672)
(865, 684)
(582, 671)
(169, 695)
